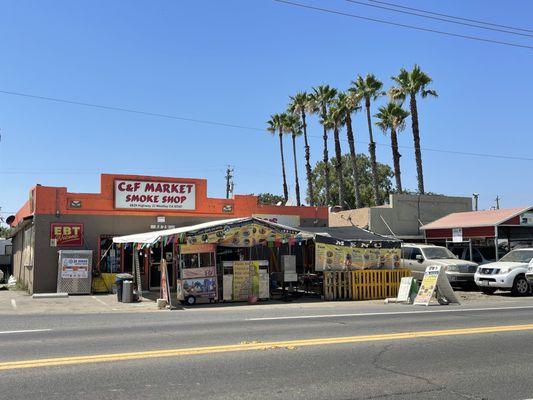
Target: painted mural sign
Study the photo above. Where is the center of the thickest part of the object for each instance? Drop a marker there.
(154, 195)
(345, 255)
(66, 234)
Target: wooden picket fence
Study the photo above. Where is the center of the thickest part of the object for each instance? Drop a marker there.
(363, 285)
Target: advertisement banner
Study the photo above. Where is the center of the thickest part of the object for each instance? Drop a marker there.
(241, 280)
(75, 268)
(205, 272)
(154, 195)
(197, 287)
(66, 234)
(331, 255)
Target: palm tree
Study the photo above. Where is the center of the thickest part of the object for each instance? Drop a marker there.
(299, 105)
(294, 126)
(334, 121)
(321, 100)
(392, 117)
(410, 84)
(277, 123)
(369, 89)
(349, 103)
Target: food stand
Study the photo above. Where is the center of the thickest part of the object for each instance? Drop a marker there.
(197, 273)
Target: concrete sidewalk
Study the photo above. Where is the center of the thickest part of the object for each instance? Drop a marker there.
(20, 303)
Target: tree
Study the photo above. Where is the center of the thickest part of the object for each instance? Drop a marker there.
(392, 118)
(349, 103)
(4, 231)
(364, 172)
(277, 123)
(369, 89)
(334, 121)
(410, 84)
(321, 100)
(294, 126)
(269, 199)
(300, 104)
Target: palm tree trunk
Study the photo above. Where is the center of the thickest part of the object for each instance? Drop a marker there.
(338, 165)
(396, 158)
(309, 172)
(416, 140)
(285, 191)
(372, 151)
(296, 171)
(353, 159)
(325, 158)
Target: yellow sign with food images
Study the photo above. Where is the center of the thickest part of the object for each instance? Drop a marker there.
(347, 255)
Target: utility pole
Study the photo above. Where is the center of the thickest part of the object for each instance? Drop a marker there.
(498, 202)
(229, 182)
(476, 196)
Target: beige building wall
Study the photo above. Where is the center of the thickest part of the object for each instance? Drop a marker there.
(404, 214)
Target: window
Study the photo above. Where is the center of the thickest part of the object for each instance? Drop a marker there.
(477, 256)
(207, 259)
(415, 251)
(438, 253)
(190, 260)
(406, 252)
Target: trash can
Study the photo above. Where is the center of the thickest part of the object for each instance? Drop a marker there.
(120, 281)
(127, 291)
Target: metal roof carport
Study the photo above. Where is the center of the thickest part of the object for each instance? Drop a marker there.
(511, 224)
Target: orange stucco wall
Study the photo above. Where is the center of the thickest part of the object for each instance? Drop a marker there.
(54, 200)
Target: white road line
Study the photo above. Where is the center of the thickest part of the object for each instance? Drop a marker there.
(100, 301)
(390, 313)
(13, 304)
(25, 331)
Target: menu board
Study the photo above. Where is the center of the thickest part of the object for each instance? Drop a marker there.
(241, 280)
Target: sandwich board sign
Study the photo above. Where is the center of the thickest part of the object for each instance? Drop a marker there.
(408, 290)
(435, 283)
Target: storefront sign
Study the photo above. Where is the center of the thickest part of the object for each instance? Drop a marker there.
(75, 268)
(197, 248)
(154, 195)
(287, 220)
(526, 219)
(66, 234)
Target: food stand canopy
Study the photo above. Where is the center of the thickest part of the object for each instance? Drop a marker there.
(204, 228)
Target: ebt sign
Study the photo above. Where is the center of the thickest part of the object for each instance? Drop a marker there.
(155, 195)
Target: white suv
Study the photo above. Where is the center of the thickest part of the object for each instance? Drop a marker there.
(507, 274)
(417, 257)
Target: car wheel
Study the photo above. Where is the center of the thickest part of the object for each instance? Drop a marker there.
(488, 291)
(190, 300)
(520, 286)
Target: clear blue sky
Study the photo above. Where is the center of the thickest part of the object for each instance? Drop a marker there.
(237, 62)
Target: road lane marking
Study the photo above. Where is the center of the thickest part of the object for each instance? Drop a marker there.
(100, 301)
(25, 331)
(389, 313)
(59, 361)
(13, 304)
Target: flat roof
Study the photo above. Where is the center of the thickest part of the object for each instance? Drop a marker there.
(474, 219)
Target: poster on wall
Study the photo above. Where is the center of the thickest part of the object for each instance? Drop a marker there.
(344, 255)
(66, 234)
(130, 194)
(75, 268)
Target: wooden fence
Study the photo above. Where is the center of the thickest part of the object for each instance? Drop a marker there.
(363, 285)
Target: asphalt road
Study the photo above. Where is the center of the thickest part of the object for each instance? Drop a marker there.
(396, 352)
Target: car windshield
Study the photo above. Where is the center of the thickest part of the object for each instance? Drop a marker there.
(438, 253)
(521, 256)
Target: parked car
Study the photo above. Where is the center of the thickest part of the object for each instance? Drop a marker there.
(417, 257)
(509, 273)
(480, 255)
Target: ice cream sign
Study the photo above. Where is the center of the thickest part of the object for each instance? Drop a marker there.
(155, 195)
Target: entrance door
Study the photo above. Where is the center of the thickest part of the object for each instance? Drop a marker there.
(155, 275)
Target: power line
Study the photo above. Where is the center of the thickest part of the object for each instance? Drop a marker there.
(256, 129)
(452, 16)
(439, 19)
(413, 27)
(128, 110)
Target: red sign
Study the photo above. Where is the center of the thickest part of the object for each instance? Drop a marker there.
(67, 234)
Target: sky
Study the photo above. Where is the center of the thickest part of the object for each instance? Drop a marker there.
(236, 62)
